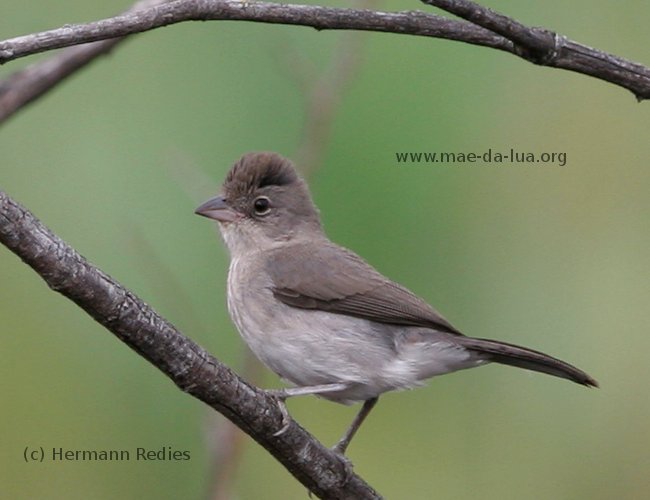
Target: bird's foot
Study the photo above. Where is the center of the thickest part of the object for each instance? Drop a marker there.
(340, 447)
(280, 395)
(346, 463)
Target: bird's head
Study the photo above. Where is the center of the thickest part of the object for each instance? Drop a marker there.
(263, 201)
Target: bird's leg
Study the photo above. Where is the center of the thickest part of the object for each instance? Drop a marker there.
(343, 443)
(288, 392)
(283, 394)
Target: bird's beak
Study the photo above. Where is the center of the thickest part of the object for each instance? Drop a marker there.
(216, 208)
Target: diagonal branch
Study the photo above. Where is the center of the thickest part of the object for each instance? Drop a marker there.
(27, 85)
(547, 48)
(533, 39)
(190, 367)
(30, 83)
(534, 44)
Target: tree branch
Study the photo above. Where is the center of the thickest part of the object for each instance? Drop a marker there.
(320, 18)
(533, 44)
(30, 83)
(547, 48)
(190, 367)
(532, 39)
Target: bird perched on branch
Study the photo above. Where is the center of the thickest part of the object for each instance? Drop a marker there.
(321, 317)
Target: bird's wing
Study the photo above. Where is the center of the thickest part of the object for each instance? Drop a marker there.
(330, 278)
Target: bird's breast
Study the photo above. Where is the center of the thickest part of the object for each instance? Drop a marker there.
(253, 308)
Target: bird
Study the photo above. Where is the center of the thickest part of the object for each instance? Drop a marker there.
(321, 317)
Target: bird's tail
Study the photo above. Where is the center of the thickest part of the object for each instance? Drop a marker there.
(522, 357)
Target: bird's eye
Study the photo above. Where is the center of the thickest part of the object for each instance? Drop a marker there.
(262, 205)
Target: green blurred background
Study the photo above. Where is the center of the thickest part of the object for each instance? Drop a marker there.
(555, 258)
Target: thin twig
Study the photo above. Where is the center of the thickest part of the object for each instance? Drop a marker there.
(324, 97)
(564, 54)
(547, 48)
(24, 86)
(533, 39)
(30, 83)
(320, 18)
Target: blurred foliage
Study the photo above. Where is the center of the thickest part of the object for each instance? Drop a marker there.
(556, 258)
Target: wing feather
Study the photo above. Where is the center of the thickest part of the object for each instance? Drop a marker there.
(326, 277)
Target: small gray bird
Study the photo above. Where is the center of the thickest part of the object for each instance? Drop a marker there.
(322, 318)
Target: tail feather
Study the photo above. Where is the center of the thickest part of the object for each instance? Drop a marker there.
(522, 357)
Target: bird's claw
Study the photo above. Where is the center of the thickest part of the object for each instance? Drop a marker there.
(286, 418)
(345, 462)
